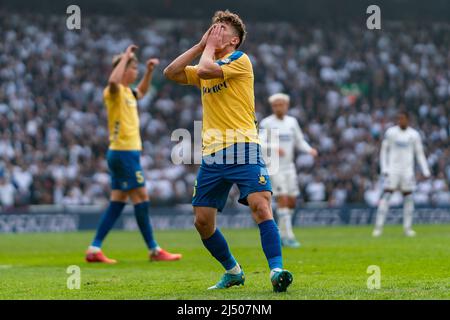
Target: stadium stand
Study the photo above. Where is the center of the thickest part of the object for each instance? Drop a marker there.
(346, 84)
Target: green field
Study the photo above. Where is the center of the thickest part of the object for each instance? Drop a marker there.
(331, 264)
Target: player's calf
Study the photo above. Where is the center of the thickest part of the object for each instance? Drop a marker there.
(383, 208)
(259, 203)
(260, 206)
(205, 221)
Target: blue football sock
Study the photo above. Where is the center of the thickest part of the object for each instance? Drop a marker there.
(107, 222)
(218, 247)
(271, 243)
(143, 221)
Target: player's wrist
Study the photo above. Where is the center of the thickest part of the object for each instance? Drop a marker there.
(210, 46)
(127, 57)
(199, 47)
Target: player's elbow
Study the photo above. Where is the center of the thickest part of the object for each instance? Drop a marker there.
(168, 73)
(174, 75)
(205, 73)
(202, 73)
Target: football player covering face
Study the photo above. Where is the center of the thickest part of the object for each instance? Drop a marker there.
(225, 77)
(227, 39)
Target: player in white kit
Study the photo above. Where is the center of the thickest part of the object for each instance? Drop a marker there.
(400, 146)
(284, 180)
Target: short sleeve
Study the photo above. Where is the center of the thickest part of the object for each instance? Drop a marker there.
(112, 97)
(191, 76)
(236, 65)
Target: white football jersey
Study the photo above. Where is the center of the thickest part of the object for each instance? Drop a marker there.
(288, 137)
(398, 150)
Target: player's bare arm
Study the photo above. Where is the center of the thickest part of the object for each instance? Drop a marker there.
(314, 152)
(117, 74)
(207, 68)
(144, 84)
(175, 70)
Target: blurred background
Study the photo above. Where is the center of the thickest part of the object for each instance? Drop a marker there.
(346, 85)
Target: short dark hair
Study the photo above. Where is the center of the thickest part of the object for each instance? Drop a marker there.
(404, 113)
(234, 20)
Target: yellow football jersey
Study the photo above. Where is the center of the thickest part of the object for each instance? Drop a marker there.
(123, 119)
(228, 103)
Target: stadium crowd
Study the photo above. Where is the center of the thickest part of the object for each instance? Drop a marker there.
(346, 84)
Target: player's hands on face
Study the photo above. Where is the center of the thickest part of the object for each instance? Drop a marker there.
(130, 51)
(314, 153)
(204, 39)
(215, 38)
(152, 63)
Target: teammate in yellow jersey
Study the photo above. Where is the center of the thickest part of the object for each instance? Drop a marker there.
(231, 149)
(127, 178)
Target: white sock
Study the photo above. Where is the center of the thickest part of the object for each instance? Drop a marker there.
(408, 210)
(155, 251)
(272, 272)
(290, 232)
(382, 211)
(235, 270)
(283, 221)
(94, 249)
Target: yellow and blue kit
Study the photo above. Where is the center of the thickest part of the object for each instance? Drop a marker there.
(125, 144)
(231, 149)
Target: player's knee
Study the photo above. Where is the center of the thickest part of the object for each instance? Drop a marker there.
(200, 223)
(139, 195)
(204, 226)
(119, 196)
(282, 201)
(261, 209)
(291, 202)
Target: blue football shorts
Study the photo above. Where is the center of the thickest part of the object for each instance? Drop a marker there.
(241, 163)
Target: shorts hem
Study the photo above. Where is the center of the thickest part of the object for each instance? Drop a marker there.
(243, 199)
(287, 194)
(206, 204)
(128, 189)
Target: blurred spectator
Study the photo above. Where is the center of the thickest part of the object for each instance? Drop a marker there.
(7, 194)
(316, 191)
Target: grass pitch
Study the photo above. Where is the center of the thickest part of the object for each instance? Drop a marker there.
(331, 264)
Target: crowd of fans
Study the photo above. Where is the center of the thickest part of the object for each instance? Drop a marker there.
(346, 85)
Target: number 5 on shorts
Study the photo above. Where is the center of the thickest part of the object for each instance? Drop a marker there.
(139, 177)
